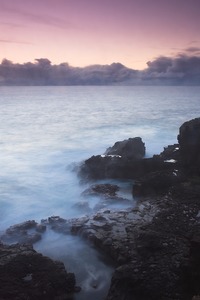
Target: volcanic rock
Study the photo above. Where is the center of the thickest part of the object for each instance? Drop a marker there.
(189, 141)
(26, 274)
(133, 148)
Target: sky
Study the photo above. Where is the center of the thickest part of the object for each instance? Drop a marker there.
(87, 32)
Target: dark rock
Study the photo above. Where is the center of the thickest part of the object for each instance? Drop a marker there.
(56, 219)
(171, 152)
(155, 183)
(133, 148)
(26, 274)
(189, 141)
(107, 194)
(119, 161)
(101, 167)
(102, 189)
(28, 232)
(23, 226)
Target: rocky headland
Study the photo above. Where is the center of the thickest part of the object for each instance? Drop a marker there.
(154, 245)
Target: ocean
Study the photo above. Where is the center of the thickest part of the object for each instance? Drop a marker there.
(46, 131)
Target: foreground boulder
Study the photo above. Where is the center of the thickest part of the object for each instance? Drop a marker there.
(26, 274)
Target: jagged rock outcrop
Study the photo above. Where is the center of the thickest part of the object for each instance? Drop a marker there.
(156, 245)
(105, 190)
(26, 274)
(117, 163)
(189, 142)
(27, 232)
(101, 167)
(156, 183)
(133, 148)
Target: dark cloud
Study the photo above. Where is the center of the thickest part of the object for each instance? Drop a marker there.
(42, 72)
(179, 70)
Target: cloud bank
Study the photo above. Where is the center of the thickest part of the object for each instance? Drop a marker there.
(183, 69)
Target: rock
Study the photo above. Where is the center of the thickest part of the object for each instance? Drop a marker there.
(189, 142)
(98, 167)
(107, 194)
(133, 148)
(23, 226)
(101, 189)
(28, 232)
(26, 274)
(155, 183)
(119, 161)
(171, 152)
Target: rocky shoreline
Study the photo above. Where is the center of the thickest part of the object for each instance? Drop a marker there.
(154, 245)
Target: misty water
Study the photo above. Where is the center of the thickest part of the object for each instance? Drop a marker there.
(46, 131)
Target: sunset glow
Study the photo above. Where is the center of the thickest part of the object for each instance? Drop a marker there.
(86, 32)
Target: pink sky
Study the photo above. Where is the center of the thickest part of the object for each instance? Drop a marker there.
(85, 32)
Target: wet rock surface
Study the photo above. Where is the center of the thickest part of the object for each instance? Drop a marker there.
(107, 196)
(102, 189)
(152, 244)
(26, 274)
(27, 232)
(155, 245)
(124, 167)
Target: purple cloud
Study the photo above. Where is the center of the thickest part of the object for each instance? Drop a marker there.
(182, 69)
(179, 70)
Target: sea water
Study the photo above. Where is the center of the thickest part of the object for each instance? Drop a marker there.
(46, 131)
